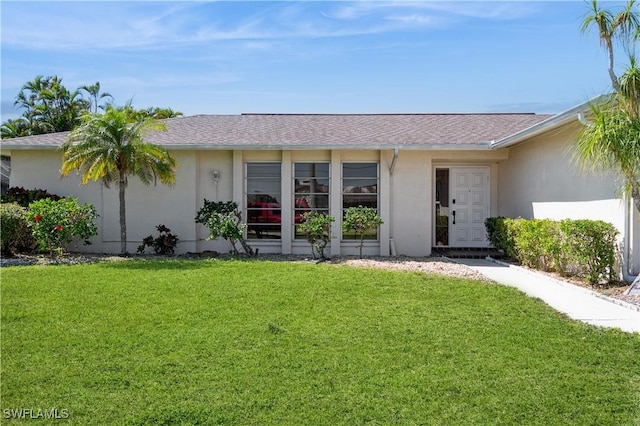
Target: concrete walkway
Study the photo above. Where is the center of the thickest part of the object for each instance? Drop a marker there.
(577, 302)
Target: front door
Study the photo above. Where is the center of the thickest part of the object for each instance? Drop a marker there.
(469, 206)
(462, 205)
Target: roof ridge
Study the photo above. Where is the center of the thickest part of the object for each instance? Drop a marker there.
(383, 113)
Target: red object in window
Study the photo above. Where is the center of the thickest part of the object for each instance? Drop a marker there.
(301, 203)
(264, 213)
(58, 227)
(38, 218)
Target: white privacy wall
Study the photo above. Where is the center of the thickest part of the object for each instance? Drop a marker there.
(540, 180)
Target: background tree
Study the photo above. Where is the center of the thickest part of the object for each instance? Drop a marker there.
(110, 147)
(93, 92)
(611, 141)
(49, 106)
(15, 128)
(159, 113)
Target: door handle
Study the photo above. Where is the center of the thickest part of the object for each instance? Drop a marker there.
(454, 216)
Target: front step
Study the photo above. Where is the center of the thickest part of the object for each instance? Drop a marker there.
(466, 252)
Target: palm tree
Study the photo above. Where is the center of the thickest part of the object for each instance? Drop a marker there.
(611, 141)
(110, 147)
(93, 90)
(629, 92)
(623, 26)
(153, 112)
(49, 106)
(15, 128)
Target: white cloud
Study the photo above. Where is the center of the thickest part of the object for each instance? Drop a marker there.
(58, 26)
(469, 9)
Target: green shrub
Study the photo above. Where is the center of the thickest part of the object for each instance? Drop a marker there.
(584, 248)
(591, 249)
(224, 220)
(500, 232)
(56, 223)
(538, 243)
(360, 220)
(317, 227)
(211, 207)
(24, 197)
(15, 234)
(164, 244)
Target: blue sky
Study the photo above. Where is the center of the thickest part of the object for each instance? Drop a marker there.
(231, 57)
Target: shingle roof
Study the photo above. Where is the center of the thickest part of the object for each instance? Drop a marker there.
(291, 131)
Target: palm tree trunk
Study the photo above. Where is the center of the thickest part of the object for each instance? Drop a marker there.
(612, 75)
(123, 215)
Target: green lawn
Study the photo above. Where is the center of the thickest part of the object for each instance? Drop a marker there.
(253, 343)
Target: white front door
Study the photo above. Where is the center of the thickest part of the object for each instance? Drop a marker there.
(469, 206)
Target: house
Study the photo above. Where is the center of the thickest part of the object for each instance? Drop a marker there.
(434, 179)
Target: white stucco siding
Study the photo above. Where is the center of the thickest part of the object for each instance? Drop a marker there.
(539, 180)
(149, 206)
(40, 169)
(611, 211)
(411, 203)
(207, 188)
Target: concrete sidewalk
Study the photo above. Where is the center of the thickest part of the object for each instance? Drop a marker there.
(577, 302)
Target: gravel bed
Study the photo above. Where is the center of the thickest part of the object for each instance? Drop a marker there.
(431, 265)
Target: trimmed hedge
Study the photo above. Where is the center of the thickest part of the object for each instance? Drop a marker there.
(583, 248)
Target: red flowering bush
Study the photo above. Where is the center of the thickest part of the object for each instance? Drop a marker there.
(55, 223)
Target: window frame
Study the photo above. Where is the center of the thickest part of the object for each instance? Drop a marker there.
(343, 193)
(295, 209)
(254, 236)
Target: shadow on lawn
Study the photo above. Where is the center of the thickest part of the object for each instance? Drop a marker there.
(154, 264)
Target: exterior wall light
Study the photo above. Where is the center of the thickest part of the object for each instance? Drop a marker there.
(215, 176)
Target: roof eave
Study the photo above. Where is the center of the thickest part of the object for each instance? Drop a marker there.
(547, 125)
(482, 146)
(319, 147)
(22, 147)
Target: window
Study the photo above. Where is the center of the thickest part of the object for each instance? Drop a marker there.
(359, 188)
(442, 207)
(263, 200)
(310, 191)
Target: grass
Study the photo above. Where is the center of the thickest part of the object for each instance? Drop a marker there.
(215, 342)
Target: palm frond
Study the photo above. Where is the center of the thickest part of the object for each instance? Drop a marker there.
(108, 146)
